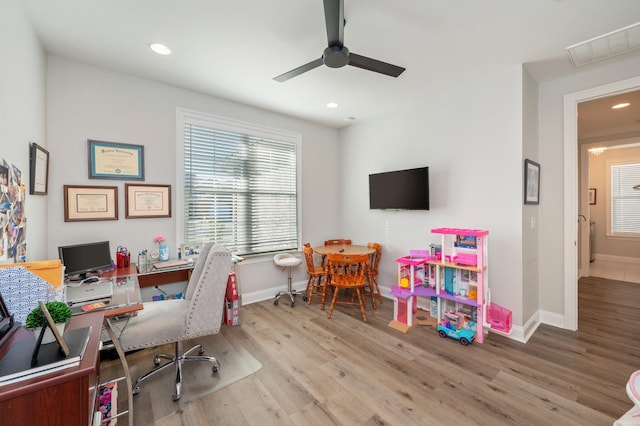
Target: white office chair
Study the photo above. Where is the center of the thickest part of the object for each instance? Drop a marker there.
(288, 261)
(176, 320)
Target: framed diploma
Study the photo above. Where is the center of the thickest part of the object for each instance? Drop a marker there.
(38, 170)
(83, 203)
(111, 160)
(147, 200)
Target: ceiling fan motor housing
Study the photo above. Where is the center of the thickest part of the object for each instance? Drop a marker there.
(335, 56)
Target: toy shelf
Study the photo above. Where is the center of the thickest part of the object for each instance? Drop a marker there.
(454, 275)
(454, 265)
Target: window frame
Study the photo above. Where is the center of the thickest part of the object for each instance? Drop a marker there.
(608, 208)
(186, 116)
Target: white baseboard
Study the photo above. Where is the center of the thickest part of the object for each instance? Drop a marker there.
(518, 333)
(612, 258)
(270, 293)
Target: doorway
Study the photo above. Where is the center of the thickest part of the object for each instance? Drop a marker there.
(571, 210)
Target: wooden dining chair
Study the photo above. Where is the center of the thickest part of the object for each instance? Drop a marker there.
(347, 271)
(372, 276)
(336, 242)
(316, 286)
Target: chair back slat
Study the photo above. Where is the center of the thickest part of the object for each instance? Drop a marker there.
(337, 241)
(375, 257)
(348, 269)
(308, 257)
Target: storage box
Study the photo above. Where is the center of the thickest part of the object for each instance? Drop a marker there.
(232, 307)
(499, 318)
(232, 312)
(232, 287)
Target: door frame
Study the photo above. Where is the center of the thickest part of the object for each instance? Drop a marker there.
(571, 156)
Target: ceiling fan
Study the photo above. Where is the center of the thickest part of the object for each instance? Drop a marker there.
(336, 55)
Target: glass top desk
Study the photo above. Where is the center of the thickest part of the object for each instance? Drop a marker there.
(124, 301)
(148, 276)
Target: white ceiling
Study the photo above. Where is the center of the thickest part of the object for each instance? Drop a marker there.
(233, 49)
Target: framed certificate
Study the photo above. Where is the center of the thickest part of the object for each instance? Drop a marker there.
(83, 203)
(38, 170)
(112, 160)
(147, 200)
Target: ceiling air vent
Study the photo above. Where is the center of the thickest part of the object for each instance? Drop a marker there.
(605, 46)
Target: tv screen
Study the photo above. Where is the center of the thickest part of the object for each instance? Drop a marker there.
(400, 190)
(81, 259)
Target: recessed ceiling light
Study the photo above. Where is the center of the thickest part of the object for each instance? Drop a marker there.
(332, 105)
(160, 49)
(622, 105)
(350, 118)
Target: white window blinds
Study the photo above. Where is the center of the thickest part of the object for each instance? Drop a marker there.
(625, 200)
(239, 190)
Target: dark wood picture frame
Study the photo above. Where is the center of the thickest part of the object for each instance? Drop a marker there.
(592, 196)
(147, 201)
(531, 182)
(87, 203)
(38, 170)
(52, 325)
(114, 160)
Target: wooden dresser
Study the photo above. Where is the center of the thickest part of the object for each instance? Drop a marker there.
(66, 397)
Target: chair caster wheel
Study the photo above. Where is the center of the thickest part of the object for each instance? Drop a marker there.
(136, 390)
(200, 350)
(275, 303)
(176, 397)
(215, 368)
(305, 298)
(293, 304)
(156, 361)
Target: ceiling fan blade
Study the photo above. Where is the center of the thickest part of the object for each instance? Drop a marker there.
(297, 71)
(334, 20)
(375, 65)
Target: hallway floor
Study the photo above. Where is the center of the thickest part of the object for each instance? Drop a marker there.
(613, 270)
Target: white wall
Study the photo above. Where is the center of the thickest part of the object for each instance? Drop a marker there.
(471, 139)
(22, 111)
(530, 238)
(551, 214)
(87, 102)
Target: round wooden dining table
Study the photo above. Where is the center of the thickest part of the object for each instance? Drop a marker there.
(343, 249)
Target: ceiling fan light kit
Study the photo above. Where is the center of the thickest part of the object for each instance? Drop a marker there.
(336, 55)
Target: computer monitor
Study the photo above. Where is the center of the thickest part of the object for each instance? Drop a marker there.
(82, 259)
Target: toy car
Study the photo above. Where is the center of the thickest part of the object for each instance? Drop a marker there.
(463, 335)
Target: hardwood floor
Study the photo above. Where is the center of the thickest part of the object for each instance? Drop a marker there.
(342, 371)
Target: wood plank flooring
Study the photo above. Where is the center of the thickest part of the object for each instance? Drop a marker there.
(342, 371)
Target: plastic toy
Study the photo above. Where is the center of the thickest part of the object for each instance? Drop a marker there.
(404, 283)
(463, 335)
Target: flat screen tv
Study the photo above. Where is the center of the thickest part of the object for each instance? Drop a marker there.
(400, 190)
(82, 259)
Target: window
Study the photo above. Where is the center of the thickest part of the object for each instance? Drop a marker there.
(625, 199)
(240, 184)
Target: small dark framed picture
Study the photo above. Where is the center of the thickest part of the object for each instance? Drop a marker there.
(38, 170)
(531, 182)
(592, 196)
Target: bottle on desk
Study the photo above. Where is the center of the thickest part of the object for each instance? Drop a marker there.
(142, 260)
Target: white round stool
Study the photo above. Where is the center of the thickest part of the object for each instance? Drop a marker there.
(286, 260)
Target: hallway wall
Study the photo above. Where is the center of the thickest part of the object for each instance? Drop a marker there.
(608, 245)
